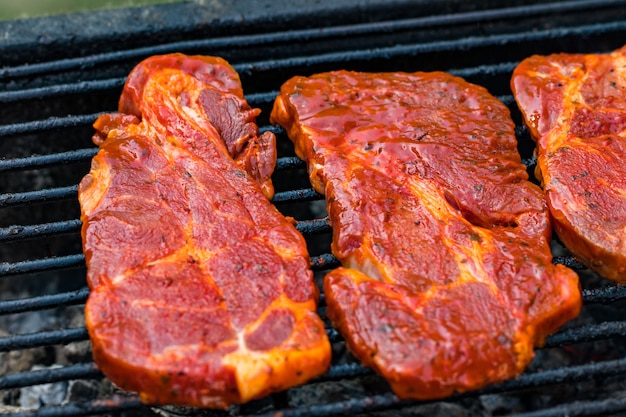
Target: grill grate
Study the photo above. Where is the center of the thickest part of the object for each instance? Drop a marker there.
(48, 107)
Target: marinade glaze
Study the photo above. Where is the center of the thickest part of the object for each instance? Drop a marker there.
(447, 282)
(575, 108)
(201, 292)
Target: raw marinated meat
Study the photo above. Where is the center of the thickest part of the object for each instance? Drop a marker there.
(201, 292)
(447, 282)
(575, 108)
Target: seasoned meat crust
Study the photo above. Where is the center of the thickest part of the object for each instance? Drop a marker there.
(575, 108)
(447, 281)
(201, 292)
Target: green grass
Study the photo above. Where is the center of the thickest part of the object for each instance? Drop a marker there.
(16, 9)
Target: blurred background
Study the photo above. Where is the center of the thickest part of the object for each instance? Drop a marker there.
(16, 9)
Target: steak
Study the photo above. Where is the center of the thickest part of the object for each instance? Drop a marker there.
(446, 282)
(575, 108)
(201, 292)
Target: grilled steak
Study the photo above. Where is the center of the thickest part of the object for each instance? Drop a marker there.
(447, 281)
(575, 108)
(201, 292)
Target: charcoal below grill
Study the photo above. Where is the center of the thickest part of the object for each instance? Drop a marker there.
(48, 107)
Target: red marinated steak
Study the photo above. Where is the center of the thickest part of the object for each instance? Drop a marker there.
(575, 108)
(447, 282)
(201, 292)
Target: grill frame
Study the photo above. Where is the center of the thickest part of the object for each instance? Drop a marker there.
(22, 87)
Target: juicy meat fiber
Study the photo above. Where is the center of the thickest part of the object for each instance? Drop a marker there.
(447, 281)
(575, 108)
(201, 292)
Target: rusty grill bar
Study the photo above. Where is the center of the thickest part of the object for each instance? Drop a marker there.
(51, 99)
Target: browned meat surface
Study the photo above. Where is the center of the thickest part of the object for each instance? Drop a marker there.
(201, 292)
(575, 108)
(447, 282)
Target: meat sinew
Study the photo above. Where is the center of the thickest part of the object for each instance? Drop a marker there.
(201, 292)
(575, 108)
(447, 281)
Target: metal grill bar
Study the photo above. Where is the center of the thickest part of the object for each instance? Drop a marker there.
(607, 294)
(17, 232)
(40, 196)
(309, 227)
(569, 374)
(581, 408)
(568, 261)
(44, 302)
(112, 405)
(587, 333)
(306, 35)
(51, 123)
(568, 337)
(320, 262)
(336, 58)
(307, 194)
(14, 233)
(46, 229)
(41, 265)
(59, 193)
(324, 261)
(530, 380)
(14, 199)
(47, 376)
(40, 161)
(81, 87)
(289, 162)
(425, 48)
(52, 337)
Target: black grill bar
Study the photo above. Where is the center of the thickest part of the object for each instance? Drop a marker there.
(113, 405)
(47, 338)
(320, 262)
(59, 193)
(80, 87)
(567, 337)
(120, 404)
(305, 35)
(39, 196)
(565, 375)
(51, 123)
(338, 58)
(71, 226)
(40, 161)
(348, 407)
(42, 265)
(307, 194)
(289, 162)
(568, 261)
(568, 374)
(604, 407)
(588, 333)
(50, 375)
(324, 261)
(309, 227)
(44, 301)
(604, 295)
(46, 229)
(351, 370)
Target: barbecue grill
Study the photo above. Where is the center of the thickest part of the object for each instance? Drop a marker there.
(60, 72)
